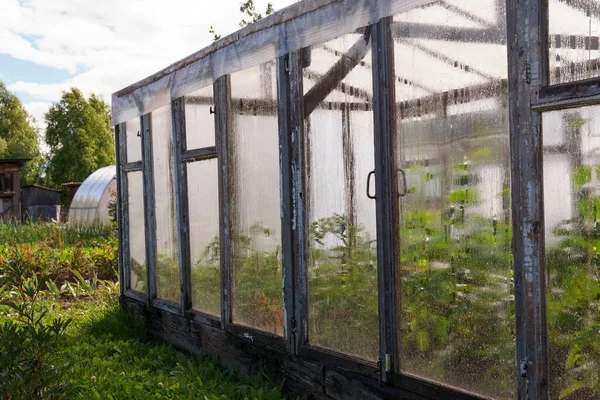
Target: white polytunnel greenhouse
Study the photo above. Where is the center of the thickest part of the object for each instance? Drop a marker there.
(375, 199)
(90, 203)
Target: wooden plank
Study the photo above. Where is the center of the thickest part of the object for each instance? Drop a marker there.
(336, 74)
(223, 132)
(417, 30)
(122, 207)
(299, 169)
(286, 134)
(527, 26)
(568, 95)
(181, 203)
(387, 202)
(133, 166)
(149, 207)
(205, 153)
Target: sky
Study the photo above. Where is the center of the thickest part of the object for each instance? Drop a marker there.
(101, 46)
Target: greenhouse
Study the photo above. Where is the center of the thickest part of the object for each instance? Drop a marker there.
(375, 199)
(90, 203)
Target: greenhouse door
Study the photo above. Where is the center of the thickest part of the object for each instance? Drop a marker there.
(341, 307)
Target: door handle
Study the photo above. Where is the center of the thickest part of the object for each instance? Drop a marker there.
(369, 186)
(403, 190)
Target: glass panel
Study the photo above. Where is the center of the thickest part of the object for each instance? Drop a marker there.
(199, 122)
(167, 263)
(257, 291)
(574, 29)
(134, 142)
(457, 300)
(203, 195)
(572, 229)
(137, 235)
(342, 265)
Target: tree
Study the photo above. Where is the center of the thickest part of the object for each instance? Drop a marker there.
(248, 8)
(19, 138)
(80, 137)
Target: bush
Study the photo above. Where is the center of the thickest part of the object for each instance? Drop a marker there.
(29, 365)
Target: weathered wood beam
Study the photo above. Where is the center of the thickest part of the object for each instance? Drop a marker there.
(466, 14)
(336, 74)
(527, 70)
(415, 30)
(586, 6)
(149, 205)
(448, 60)
(370, 67)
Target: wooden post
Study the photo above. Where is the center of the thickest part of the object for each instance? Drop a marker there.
(149, 205)
(387, 202)
(223, 129)
(527, 22)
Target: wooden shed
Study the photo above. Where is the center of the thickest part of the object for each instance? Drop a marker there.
(39, 202)
(10, 185)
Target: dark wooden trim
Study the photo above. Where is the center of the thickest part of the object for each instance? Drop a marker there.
(300, 203)
(135, 295)
(204, 318)
(223, 129)
(258, 336)
(123, 208)
(168, 306)
(205, 153)
(524, 22)
(132, 166)
(286, 134)
(181, 202)
(568, 95)
(348, 362)
(387, 203)
(149, 212)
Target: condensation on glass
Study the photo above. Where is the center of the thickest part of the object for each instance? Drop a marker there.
(342, 262)
(573, 40)
(571, 143)
(254, 155)
(457, 321)
(203, 195)
(199, 120)
(137, 232)
(134, 142)
(167, 262)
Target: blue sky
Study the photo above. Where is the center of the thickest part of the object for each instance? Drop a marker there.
(48, 46)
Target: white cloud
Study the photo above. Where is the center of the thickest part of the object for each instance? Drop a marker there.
(109, 44)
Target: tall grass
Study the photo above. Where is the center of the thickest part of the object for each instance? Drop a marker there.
(55, 235)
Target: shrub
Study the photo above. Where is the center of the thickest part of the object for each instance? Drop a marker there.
(29, 365)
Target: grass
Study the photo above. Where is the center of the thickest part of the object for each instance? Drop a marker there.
(112, 359)
(56, 235)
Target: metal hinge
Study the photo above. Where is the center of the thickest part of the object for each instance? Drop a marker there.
(527, 72)
(286, 65)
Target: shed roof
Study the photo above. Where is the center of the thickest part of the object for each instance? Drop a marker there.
(40, 187)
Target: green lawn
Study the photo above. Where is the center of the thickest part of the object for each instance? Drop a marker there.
(111, 359)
